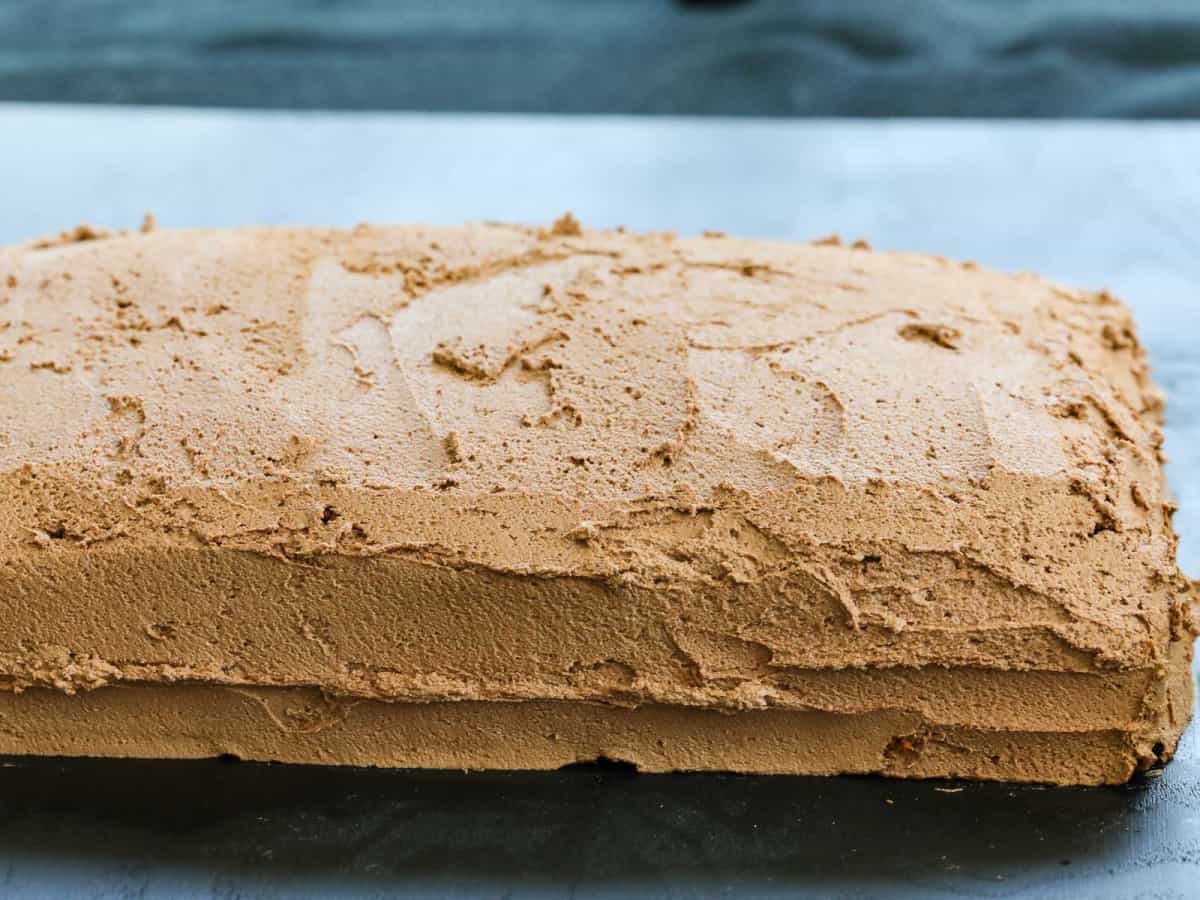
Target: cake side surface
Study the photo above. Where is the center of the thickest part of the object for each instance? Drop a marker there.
(302, 725)
(496, 462)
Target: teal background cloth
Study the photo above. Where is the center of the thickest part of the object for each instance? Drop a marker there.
(961, 58)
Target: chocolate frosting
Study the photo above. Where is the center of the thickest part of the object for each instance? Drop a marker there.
(507, 463)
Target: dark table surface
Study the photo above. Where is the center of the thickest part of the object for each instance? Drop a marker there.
(1017, 196)
(112, 828)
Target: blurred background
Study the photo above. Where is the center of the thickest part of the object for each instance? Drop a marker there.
(1022, 58)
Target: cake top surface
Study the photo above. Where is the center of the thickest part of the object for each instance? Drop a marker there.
(562, 401)
(600, 364)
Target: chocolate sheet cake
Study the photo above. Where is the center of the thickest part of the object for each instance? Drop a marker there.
(501, 496)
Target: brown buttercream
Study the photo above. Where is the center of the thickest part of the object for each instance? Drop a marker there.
(885, 512)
